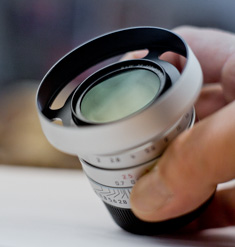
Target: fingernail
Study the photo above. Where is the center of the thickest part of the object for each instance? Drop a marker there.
(140, 53)
(150, 194)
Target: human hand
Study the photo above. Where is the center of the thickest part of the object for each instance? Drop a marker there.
(202, 157)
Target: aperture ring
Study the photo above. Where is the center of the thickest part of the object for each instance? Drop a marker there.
(119, 178)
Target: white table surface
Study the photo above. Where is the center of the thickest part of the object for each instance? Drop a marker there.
(57, 207)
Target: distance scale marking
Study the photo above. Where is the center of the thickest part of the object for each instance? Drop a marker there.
(119, 197)
(120, 178)
(145, 152)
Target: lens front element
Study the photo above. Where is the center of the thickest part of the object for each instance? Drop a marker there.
(119, 96)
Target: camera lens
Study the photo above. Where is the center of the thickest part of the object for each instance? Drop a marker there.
(122, 117)
(120, 95)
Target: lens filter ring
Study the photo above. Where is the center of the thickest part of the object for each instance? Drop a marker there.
(113, 85)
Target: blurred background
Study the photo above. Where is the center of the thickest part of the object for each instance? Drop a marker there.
(35, 34)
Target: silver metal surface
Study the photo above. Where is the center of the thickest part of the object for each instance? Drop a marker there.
(113, 176)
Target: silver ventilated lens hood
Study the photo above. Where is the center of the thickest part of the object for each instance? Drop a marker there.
(133, 130)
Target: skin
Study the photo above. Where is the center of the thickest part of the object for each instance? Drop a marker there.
(200, 158)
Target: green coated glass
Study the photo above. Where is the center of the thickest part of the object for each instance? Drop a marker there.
(120, 96)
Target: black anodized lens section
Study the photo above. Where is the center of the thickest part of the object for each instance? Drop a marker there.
(129, 222)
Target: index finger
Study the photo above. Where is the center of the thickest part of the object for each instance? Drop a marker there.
(215, 50)
(212, 47)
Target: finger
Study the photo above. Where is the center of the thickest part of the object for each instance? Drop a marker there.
(210, 100)
(220, 213)
(189, 170)
(134, 55)
(212, 48)
(215, 51)
(228, 78)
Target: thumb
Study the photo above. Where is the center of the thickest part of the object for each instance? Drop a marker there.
(190, 169)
